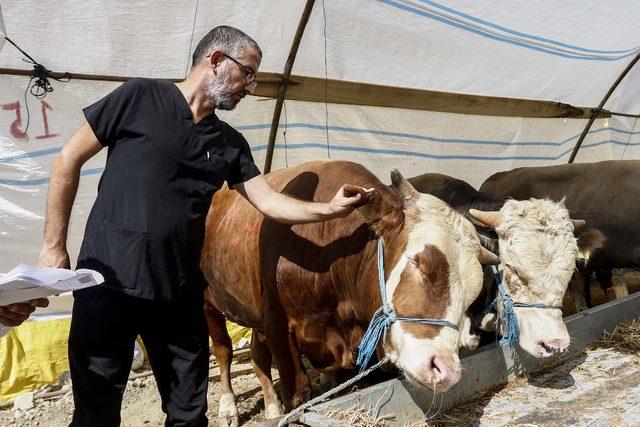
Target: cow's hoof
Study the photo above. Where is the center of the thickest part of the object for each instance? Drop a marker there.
(471, 342)
(228, 421)
(326, 381)
(301, 397)
(273, 410)
(228, 411)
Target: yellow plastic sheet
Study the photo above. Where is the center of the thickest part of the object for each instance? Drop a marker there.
(35, 354)
(32, 356)
(237, 332)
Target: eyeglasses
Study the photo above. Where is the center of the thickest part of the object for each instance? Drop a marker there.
(249, 75)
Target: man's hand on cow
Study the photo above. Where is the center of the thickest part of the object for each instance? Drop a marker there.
(16, 314)
(348, 198)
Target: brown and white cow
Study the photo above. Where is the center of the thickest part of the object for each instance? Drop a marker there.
(311, 289)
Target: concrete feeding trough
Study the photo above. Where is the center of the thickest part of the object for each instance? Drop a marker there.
(484, 369)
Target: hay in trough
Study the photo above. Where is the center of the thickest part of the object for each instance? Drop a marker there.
(625, 337)
(358, 416)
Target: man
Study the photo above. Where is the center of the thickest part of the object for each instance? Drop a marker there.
(167, 154)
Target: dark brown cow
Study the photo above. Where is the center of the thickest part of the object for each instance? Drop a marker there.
(311, 289)
(604, 194)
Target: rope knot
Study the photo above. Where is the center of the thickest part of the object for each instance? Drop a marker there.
(389, 313)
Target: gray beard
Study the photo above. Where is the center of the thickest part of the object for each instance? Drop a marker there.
(218, 91)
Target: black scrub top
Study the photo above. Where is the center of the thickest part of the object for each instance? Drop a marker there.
(146, 229)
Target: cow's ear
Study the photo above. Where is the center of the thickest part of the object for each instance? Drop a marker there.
(589, 241)
(352, 190)
(489, 243)
(383, 212)
(578, 223)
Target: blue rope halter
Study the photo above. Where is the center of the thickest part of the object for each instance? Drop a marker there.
(511, 331)
(383, 318)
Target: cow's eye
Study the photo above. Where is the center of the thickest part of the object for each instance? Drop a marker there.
(411, 260)
(515, 274)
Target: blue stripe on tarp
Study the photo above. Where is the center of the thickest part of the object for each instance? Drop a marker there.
(46, 152)
(502, 39)
(323, 146)
(41, 181)
(430, 138)
(518, 33)
(31, 154)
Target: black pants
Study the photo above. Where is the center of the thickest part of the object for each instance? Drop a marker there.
(104, 326)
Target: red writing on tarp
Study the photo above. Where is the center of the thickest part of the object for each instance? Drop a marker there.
(16, 126)
(45, 107)
(16, 132)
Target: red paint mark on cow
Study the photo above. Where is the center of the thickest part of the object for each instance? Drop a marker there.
(46, 107)
(252, 228)
(225, 222)
(16, 132)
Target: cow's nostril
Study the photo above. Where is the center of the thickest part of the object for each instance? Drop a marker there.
(549, 348)
(554, 346)
(432, 364)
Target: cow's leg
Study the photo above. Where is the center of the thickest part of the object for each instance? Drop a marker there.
(223, 350)
(326, 381)
(294, 381)
(468, 340)
(302, 388)
(580, 290)
(586, 280)
(261, 357)
(605, 278)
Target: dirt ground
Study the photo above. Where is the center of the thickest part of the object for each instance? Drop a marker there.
(141, 405)
(600, 387)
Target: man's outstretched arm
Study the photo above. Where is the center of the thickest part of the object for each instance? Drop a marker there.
(282, 208)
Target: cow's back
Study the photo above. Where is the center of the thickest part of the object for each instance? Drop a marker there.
(604, 194)
(255, 266)
(457, 193)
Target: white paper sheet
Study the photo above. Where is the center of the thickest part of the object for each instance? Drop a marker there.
(24, 282)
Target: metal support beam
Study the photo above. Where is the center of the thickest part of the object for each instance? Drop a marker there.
(262, 78)
(594, 113)
(314, 89)
(282, 91)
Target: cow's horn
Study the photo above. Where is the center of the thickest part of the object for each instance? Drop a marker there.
(402, 185)
(491, 219)
(578, 223)
(487, 257)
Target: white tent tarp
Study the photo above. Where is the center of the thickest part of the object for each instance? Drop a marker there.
(570, 53)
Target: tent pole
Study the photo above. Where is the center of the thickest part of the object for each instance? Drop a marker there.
(595, 111)
(282, 90)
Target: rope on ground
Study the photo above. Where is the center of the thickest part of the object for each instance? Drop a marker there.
(331, 392)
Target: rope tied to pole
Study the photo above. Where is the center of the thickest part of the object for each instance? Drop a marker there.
(41, 87)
